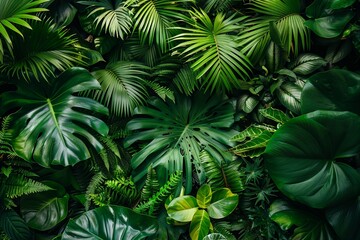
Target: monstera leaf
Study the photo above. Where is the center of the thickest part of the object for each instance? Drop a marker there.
(308, 225)
(337, 90)
(52, 124)
(307, 158)
(177, 132)
(111, 223)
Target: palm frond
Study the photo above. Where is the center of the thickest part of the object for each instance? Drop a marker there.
(162, 91)
(286, 14)
(222, 174)
(217, 5)
(114, 19)
(213, 51)
(123, 87)
(155, 20)
(43, 49)
(185, 80)
(13, 16)
(152, 205)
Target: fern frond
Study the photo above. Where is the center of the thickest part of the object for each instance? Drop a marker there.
(124, 190)
(223, 230)
(6, 136)
(151, 185)
(17, 185)
(224, 174)
(151, 206)
(94, 184)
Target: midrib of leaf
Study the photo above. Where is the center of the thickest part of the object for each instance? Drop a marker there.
(182, 134)
(53, 116)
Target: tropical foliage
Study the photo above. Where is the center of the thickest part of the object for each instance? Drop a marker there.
(189, 119)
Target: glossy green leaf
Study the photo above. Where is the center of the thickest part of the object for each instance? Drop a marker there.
(175, 134)
(43, 211)
(336, 89)
(111, 223)
(203, 196)
(50, 129)
(289, 95)
(183, 208)
(248, 102)
(275, 115)
(214, 236)
(307, 225)
(200, 225)
(63, 12)
(307, 63)
(318, 8)
(338, 4)
(307, 157)
(14, 226)
(330, 26)
(343, 217)
(223, 203)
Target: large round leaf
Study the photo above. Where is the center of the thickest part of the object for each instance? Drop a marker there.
(304, 158)
(111, 223)
(343, 217)
(308, 225)
(43, 211)
(223, 203)
(182, 209)
(52, 123)
(337, 90)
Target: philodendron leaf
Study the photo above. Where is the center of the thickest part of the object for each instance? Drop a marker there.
(203, 196)
(289, 95)
(14, 226)
(43, 211)
(52, 123)
(305, 158)
(307, 64)
(223, 203)
(336, 89)
(308, 226)
(182, 209)
(330, 26)
(343, 217)
(200, 225)
(111, 223)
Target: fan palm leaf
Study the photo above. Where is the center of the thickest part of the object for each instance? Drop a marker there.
(212, 49)
(155, 20)
(255, 37)
(42, 50)
(13, 14)
(114, 19)
(123, 87)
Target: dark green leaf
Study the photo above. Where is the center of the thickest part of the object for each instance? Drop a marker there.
(289, 95)
(304, 158)
(43, 211)
(14, 226)
(343, 217)
(50, 128)
(337, 90)
(307, 63)
(275, 115)
(248, 103)
(223, 203)
(200, 225)
(338, 4)
(330, 26)
(308, 226)
(111, 223)
(182, 209)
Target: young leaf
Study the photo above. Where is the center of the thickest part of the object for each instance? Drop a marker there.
(203, 196)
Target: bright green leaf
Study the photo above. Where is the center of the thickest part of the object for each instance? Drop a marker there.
(183, 208)
(223, 203)
(203, 196)
(200, 225)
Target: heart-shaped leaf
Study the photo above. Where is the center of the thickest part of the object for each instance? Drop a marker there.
(203, 196)
(289, 95)
(111, 223)
(336, 89)
(182, 209)
(307, 224)
(343, 217)
(52, 123)
(200, 225)
(223, 203)
(306, 156)
(43, 211)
